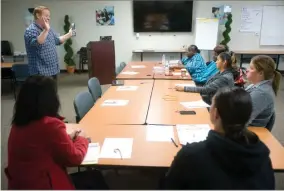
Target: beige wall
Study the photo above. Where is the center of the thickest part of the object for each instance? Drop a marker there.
(83, 14)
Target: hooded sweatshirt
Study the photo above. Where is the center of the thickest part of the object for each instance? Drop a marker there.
(220, 163)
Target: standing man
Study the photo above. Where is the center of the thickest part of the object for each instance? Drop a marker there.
(41, 41)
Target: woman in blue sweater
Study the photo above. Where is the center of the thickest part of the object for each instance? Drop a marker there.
(212, 69)
(193, 63)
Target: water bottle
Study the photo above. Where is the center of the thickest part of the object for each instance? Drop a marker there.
(167, 70)
(163, 60)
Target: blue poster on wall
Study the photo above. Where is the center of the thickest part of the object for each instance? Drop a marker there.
(221, 13)
(105, 16)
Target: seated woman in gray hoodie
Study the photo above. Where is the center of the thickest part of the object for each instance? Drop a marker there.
(231, 157)
(223, 78)
(265, 81)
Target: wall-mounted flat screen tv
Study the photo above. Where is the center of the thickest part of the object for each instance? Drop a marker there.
(162, 16)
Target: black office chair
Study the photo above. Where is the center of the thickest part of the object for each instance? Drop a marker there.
(6, 48)
(20, 74)
(83, 58)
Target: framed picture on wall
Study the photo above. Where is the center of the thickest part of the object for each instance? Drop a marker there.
(105, 16)
(221, 13)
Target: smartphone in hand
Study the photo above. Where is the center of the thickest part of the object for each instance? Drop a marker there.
(73, 29)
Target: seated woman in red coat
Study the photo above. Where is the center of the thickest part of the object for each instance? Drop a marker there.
(39, 148)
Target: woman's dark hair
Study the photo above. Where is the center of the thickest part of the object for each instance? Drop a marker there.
(194, 48)
(221, 48)
(37, 98)
(229, 58)
(234, 106)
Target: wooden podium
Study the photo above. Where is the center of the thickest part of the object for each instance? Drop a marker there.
(101, 60)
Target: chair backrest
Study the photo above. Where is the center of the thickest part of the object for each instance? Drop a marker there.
(6, 48)
(271, 122)
(20, 71)
(118, 70)
(95, 89)
(83, 102)
(122, 65)
(83, 51)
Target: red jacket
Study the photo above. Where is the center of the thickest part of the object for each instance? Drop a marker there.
(39, 153)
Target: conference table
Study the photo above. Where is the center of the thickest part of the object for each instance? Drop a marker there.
(161, 154)
(137, 70)
(149, 70)
(165, 105)
(153, 102)
(134, 112)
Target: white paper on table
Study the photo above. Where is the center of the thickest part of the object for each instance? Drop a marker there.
(173, 61)
(194, 104)
(138, 66)
(176, 73)
(129, 73)
(113, 102)
(192, 133)
(127, 88)
(93, 154)
(117, 148)
(179, 73)
(188, 85)
(158, 69)
(159, 133)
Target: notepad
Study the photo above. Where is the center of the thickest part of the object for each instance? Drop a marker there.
(194, 104)
(176, 73)
(117, 148)
(93, 154)
(192, 133)
(127, 88)
(115, 102)
(188, 85)
(138, 66)
(159, 133)
(129, 73)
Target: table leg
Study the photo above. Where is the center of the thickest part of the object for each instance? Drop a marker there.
(277, 61)
(181, 56)
(141, 56)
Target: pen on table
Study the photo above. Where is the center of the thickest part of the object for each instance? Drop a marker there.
(174, 142)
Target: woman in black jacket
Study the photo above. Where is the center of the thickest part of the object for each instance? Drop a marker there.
(231, 157)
